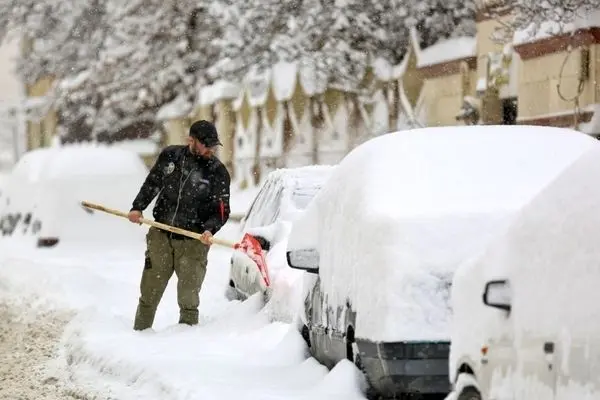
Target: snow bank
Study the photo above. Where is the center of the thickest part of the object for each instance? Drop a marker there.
(448, 50)
(391, 247)
(50, 183)
(535, 32)
(262, 360)
(235, 352)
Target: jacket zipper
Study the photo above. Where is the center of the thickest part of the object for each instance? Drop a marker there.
(181, 185)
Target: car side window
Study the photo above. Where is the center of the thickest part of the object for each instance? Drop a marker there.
(265, 208)
(275, 207)
(250, 215)
(256, 212)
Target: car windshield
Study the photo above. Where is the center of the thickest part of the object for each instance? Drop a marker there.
(302, 196)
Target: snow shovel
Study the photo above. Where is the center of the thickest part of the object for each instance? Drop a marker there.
(249, 245)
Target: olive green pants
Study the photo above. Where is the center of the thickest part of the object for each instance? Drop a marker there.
(188, 259)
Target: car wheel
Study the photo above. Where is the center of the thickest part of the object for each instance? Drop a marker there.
(350, 353)
(305, 334)
(353, 356)
(469, 393)
(231, 293)
(371, 393)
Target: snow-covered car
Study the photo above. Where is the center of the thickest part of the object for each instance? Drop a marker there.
(383, 239)
(42, 196)
(285, 193)
(526, 313)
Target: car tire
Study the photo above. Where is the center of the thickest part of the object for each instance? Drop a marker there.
(469, 393)
(231, 293)
(354, 357)
(304, 331)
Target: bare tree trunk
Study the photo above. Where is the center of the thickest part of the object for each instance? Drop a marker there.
(394, 105)
(256, 168)
(317, 121)
(288, 133)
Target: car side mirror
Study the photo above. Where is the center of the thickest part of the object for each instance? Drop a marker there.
(498, 294)
(307, 260)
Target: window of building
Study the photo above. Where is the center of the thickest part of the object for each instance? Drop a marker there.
(509, 111)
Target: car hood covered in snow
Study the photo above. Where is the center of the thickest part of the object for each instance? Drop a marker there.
(404, 210)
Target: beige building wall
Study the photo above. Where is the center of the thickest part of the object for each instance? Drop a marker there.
(485, 44)
(444, 98)
(225, 124)
(546, 63)
(40, 132)
(412, 79)
(539, 78)
(176, 131)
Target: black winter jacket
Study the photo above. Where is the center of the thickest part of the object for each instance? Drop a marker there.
(193, 192)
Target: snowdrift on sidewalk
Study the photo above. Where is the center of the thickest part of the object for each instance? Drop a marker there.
(235, 353)
(404, 210)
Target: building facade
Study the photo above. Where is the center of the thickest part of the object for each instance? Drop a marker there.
(285, 117)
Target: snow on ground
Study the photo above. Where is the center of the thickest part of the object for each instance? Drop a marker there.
(26, 341)
(241, 199)
(235, 352)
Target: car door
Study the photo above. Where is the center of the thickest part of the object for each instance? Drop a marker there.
(498, 367)
(515, 367)
(263, 212)
(536, 368)
(319, 329)
(498, 355)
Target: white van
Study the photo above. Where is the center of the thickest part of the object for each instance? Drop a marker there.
(382, 239)
(41, 202)
(527, 310)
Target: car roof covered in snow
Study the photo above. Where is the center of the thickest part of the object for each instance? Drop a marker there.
(403, 210)
(286, 191)
(429, 173)
(311, 175)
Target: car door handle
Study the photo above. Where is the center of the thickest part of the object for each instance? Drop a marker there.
(549, 347)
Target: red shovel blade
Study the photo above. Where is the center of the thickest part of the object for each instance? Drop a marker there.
(251, 247)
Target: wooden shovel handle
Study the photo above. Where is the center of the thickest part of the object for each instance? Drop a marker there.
(159, 225)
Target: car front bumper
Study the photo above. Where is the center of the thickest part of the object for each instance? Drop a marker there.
(394, 368)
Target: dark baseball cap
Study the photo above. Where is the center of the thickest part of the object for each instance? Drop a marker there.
(206, 133)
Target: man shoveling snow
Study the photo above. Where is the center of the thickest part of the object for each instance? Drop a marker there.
(192, 186)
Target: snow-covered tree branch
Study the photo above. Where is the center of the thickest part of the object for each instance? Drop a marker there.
(116, 63)
(561, 11)
(533, 14)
